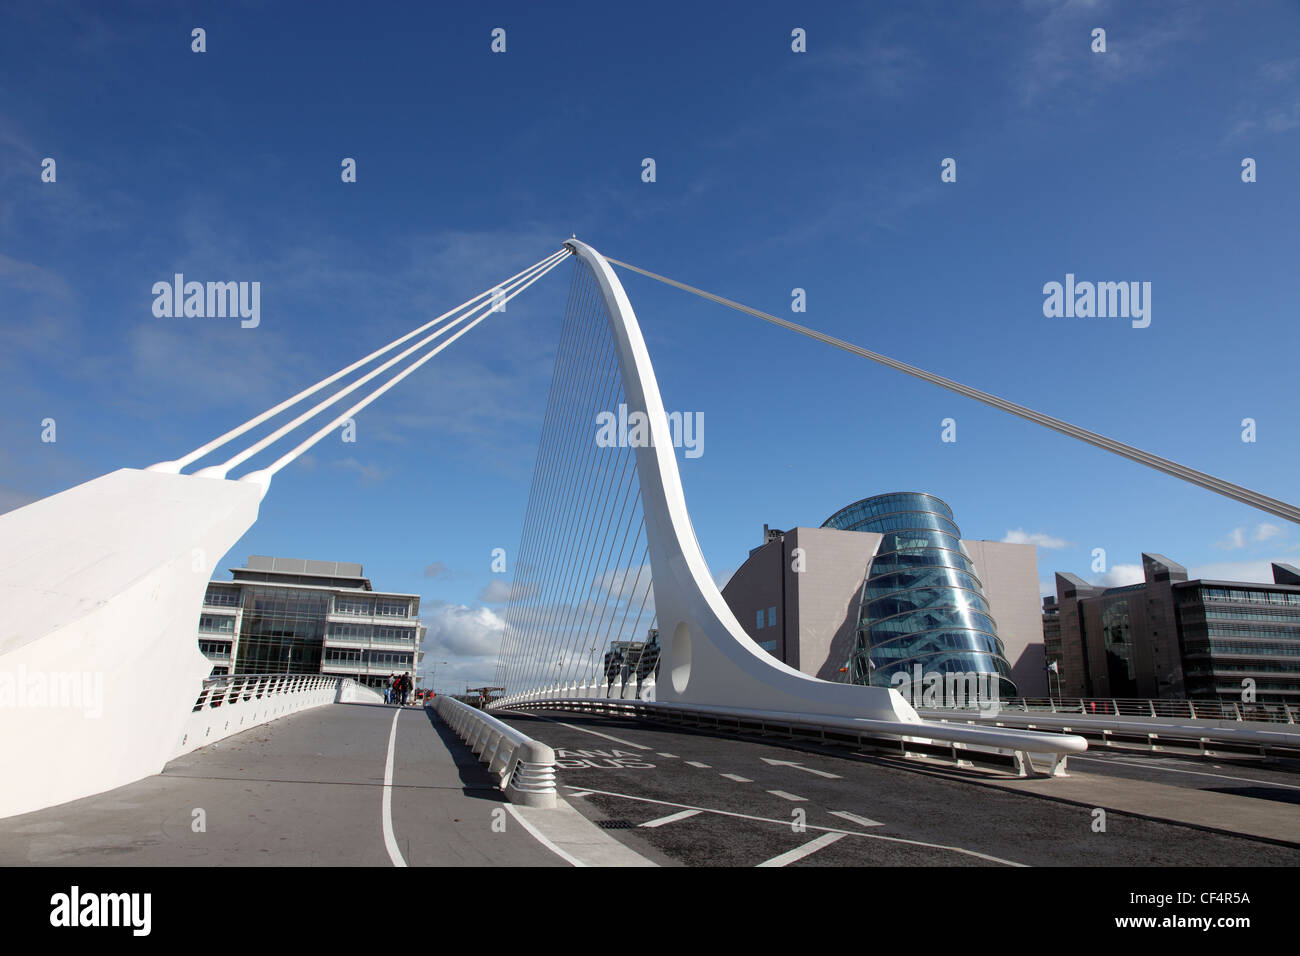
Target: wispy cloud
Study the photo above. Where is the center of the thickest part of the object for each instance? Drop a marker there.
(1038, 539)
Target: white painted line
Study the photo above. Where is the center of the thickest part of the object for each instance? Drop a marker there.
(670, 756)
(737, 777)
(696, 763)
(580, 793)
(798, 853)
(597, 733)
(390, 841)
(1194, 773)
(787, 796)
(671, 818)
(854, 818)
(799, 766)
(785, 824)
(540, 838)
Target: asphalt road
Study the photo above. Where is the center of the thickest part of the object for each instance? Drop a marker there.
(688, 798)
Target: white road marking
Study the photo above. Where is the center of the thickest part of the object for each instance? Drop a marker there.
(799, 766)
(696, 763)
(671, 818)
(787, 796)
(798, 853)
(541, 838)
(1194, 773)
(580, 793)
(390, 841)
(597, 733)
(672, 756)
(737, 777)
(785, 825)
(854, 818)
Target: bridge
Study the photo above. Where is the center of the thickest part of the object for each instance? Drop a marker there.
(707, 750)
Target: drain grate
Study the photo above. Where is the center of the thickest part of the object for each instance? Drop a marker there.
(615, 824)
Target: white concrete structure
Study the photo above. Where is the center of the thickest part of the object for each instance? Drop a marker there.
(707, 657)
(100, 586)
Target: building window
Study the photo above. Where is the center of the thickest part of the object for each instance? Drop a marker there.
(216, 623)
(759, 626)
(771, 617)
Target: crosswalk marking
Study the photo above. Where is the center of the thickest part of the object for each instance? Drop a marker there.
(737, 777)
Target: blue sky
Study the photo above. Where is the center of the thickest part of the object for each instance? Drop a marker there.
(775, 170)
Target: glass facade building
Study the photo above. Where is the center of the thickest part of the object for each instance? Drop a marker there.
(922, 602)
(285, 615)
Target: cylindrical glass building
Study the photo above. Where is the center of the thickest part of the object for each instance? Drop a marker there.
(922, 601)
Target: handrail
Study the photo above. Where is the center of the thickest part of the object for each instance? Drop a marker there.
(1208, 709)
(524, 767)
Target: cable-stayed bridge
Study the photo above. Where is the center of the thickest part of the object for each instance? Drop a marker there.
(106, 579)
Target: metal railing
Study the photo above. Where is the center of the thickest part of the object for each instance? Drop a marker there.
(233, 688)
(1135, 707)
(1000, 747)
(523, 767)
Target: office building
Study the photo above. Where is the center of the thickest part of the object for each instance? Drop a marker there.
(287, 615)
(1170, 637)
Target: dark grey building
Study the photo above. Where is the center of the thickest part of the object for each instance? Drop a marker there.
(1173, 638)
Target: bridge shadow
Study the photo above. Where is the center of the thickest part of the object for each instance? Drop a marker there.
(475, 780)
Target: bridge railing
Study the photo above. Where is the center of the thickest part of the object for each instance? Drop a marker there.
(1279, 713)
(233, 703)
(964, 746)
(523, 767)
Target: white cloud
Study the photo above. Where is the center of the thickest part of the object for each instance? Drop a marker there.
(496, 592)
(369, 474)
(462, 630)
(1256, 571)
(1235, 540)
(1120, 576)
(1038, 539)
(1264, 531)
(436, 570)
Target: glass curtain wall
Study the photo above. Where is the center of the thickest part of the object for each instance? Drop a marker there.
(922, 602)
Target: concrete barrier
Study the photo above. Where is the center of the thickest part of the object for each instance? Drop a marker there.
(524, 768)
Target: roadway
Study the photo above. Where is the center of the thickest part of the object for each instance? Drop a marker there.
(688, 798)
(304, 790)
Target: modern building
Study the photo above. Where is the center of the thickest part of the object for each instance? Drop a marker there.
(1052, 641)
(1175, 638)
(287, 615)
(887, 584)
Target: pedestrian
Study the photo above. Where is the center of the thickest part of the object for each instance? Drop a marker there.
(406, 686)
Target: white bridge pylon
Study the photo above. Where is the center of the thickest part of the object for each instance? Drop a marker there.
(705, 657)
(102, 586)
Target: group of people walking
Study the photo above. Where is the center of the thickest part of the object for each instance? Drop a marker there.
(398, 689)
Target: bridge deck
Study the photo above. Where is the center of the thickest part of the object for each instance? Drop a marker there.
(305, 790)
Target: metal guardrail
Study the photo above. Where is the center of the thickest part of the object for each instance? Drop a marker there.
(1172, 735)
(233, 688)
(1147, 707)
(962, 745)
(524, 768)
